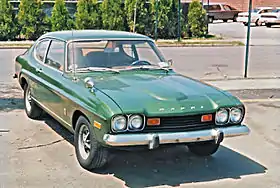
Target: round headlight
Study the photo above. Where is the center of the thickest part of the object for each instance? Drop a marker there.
(222, 116)
(135, 122)
(235, 115)
(119, 123)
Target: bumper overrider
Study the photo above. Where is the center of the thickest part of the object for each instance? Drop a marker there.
(153, 140)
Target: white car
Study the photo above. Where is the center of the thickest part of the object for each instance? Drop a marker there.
(272, 18)
(255, 16)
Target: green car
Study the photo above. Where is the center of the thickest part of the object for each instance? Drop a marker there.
(116, 90)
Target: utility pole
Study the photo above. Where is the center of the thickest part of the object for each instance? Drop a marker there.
(134, 20)
(156, 24)
(179, 21)
(248, 39)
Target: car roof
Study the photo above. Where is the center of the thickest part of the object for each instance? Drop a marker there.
(69, 35)
(264, 7)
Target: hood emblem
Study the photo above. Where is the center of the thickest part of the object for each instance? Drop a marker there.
(181, 108)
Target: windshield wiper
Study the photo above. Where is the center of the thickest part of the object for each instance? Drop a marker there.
(148, 67)
(98, 69)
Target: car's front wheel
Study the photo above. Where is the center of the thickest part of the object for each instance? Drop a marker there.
(204, 148)
(32, 110)
(89, 152)
(268, 25)
(258, 22)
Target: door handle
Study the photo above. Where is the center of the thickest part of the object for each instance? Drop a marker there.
(39, 70)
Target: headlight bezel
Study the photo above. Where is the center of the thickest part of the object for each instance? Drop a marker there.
(229, 121)
(128, 119)
(112, 123)
(241, 115)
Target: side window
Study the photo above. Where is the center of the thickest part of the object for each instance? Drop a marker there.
(214, 7)
(55, 56)
(226, 7)
(40, 50)
(127, 48)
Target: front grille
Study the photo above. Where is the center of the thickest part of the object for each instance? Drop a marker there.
(181, 123)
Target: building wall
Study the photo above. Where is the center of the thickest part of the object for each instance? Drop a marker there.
(243, 4)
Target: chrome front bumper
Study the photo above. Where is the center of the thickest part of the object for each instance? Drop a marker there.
(175, 137)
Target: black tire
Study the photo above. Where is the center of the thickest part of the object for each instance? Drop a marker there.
(204, 148)
(32, 110)
(96, 155)
(225, 20)
(245, 24)
(268, 25)
(235, 18)
(257, 23)
(210, 19)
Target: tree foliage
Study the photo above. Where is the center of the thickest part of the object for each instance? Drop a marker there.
(32, 19)
(197, 19)
(8, 28)
(143, 17)
(88, 14)
(113, 15)
(60, 18)
(167, 18)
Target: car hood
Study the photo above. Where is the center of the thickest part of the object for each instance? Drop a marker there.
(161, 93)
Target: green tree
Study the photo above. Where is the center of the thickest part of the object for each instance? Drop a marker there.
(88, 14)
(60, 18)
(8, 29)
(167, 18)
(32, 19)
(113, 15)
(143, 17)
(197, 19)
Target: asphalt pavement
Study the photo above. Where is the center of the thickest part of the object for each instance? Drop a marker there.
(41, 153)
(260, 36)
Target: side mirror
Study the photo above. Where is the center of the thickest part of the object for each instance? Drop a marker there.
(170, 62)
(89, 83)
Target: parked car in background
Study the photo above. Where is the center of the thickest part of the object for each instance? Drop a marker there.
(219, 11)
(272, 18)
(116, 90)
(256, 16)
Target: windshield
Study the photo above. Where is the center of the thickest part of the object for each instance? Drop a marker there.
(276, 10)
(114, 54)
(256, 10)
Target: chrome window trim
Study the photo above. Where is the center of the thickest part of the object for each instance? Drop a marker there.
(47, 65)
(99, 39)
(35, 51)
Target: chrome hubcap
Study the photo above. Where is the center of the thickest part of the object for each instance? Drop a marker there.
(84, 142)
(28, 101)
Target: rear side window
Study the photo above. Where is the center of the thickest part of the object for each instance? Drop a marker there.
(226, 7)
(213, 7)
(40, 50)
(55, 57)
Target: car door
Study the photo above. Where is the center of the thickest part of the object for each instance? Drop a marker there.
(52, 73)
(227, 12)
(38, 89)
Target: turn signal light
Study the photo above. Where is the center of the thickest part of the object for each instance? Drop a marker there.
(153, 121)
(206, 118)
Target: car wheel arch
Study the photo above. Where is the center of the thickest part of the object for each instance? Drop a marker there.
(22, 81)
(75, 117)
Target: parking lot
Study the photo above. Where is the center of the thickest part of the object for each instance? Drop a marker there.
(41, 153)
(260, 36)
